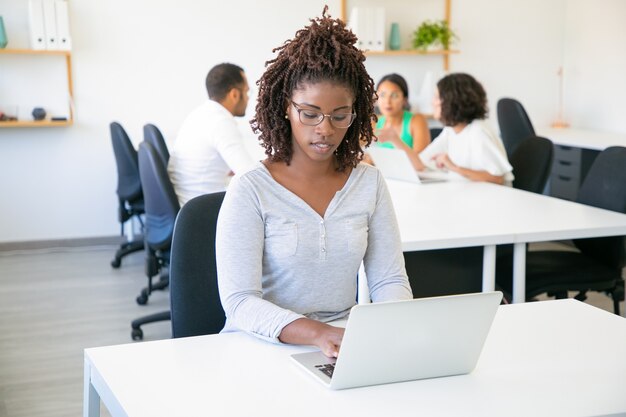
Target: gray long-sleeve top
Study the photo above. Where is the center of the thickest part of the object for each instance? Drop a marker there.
(278, 260)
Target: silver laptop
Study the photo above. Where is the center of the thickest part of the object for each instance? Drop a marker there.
(407, 340)
(395, 164)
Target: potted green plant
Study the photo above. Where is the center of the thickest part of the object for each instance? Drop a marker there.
(433, 34)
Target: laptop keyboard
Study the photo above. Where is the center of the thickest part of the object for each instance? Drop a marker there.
(326, 369)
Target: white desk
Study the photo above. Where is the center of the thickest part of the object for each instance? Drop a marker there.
(460, 214)
(552, 358)
(583, 138)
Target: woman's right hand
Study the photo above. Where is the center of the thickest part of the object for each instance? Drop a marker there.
(388, 134)
(329, 340)
(312, 332)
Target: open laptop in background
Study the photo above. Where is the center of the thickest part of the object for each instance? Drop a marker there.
(395, 164)
(407, 340)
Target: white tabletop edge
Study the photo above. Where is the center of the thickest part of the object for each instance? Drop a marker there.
(582, 138)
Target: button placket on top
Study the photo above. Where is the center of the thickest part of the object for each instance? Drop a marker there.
(322, 240)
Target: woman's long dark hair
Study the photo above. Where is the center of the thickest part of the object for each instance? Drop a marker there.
(322, 51)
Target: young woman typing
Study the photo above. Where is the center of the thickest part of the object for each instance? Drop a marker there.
(293, 232)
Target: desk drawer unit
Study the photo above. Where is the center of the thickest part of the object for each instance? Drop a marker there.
(569, 169)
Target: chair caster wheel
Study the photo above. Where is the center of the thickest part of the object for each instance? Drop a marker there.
(116, 263)
(142, 299)
(137, 334)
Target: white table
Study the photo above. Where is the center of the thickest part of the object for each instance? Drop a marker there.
(461, 214)
(583, 138)
(552, 358)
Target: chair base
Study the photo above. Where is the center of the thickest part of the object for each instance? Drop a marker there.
(126, 249)
(137, 333)
(161, 284)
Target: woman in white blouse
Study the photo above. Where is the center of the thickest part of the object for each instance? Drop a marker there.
(467, 147)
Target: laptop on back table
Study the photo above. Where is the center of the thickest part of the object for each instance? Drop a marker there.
(395, 164)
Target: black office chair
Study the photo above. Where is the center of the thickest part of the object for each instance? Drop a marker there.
(597, 266)
(129, 191)
(445, 271)
(153, 136)
(514, 123)
(532, 163)
(434, 132)
(161, 209)
(195, 302)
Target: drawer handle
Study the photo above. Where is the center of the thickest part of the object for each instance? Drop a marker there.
(565, 148)
(564, 178)
(565, 163)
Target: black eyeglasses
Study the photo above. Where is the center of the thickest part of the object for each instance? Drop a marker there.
(311, 117)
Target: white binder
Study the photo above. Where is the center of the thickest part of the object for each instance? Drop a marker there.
(63, 25)
(377, 31)
(36, 25)
(367, 28)
(49, 21)
(356, 24)
(368, 24)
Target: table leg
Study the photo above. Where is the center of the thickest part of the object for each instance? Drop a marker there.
(489, 268)
(519, 272)
(91, 398)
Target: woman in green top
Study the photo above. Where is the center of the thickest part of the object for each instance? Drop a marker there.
(397, 127)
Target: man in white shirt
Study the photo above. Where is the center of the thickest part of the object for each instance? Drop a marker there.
(209, 147)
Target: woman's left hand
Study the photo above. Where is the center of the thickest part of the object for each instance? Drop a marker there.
(443, 161)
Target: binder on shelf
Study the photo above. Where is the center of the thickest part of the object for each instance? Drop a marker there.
(50, 24)
(64, 39)
(377, 32)
(368, 24)
(36, 25)
(368, 28)
(355, 23)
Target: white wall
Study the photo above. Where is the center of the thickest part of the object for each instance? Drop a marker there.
(145, 61)
(135, 62)
(595, 64)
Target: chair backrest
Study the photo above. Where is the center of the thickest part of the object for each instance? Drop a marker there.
(514, 123)
(605, 187)
(153, 136)
(161, 203)
(195, 302)
(128, 182)
(434, 132)
(532, 164)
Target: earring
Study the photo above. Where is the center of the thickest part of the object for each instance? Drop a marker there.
(286, 116)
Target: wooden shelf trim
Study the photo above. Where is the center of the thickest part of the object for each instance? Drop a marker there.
(34, 52)
(32, 123)
(412, 52)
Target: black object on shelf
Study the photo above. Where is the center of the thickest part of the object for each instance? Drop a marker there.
(39, 113)
(59, 119)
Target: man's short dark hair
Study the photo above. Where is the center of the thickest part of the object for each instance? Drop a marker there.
(221, 79)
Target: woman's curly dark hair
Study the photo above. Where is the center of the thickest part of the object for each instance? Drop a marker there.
(463, 99)
(322, 51)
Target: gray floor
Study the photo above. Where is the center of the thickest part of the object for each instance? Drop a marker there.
(53, 304)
